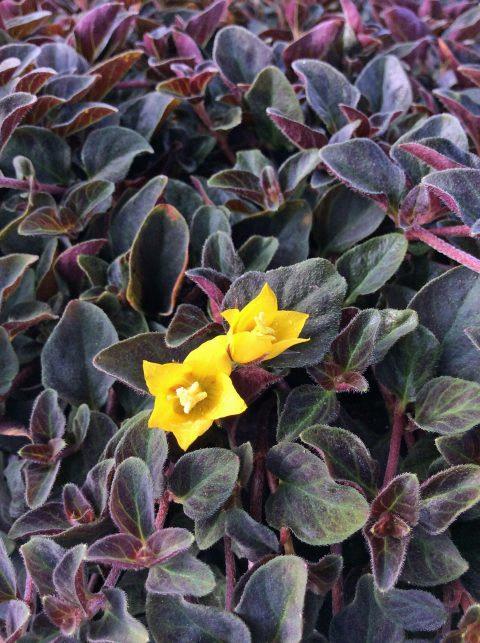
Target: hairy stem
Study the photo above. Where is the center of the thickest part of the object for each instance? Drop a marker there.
(337, 589)
(395, 444)
(432, 240)
(112, 578)
(163, 506)
(229, 573)
(17, 184)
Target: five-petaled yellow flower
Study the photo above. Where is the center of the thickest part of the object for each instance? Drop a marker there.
(260, 331)
(191, 395)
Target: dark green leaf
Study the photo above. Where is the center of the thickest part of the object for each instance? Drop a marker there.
(305, 405)
(183, 575)
(250, 539)
(412, 609)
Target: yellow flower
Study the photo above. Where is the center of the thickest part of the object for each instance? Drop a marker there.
(191, 395)
(260, 330)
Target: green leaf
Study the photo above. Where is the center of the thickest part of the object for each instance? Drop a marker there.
(240, 54)
(258, 251)
(49, 154)
(67, 356)
(326, 89)
(353, 347)
(460, 449)
(318, 510)
(9, 364)
(183, 575)
(116, 624)
(8, 579)
(346, 456)
(157, 261)
(172, 618)
(203, 480)
(250, 539)
(394, 325)
(272, 89)
(368, 266)
(432, 560)
(448, 405)
(131, 499)
(412, 609)
(363, 166)
(305, 405)
(409, 364)
(460, 287)
(109, 152)
(364, 621)
(128, 218)
(448, 494)
(206, 220)
(385, 84)
(272, 600)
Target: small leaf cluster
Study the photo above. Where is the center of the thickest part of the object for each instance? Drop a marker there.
(159, 164)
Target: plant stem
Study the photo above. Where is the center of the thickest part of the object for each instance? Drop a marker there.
(112, 577)
(220, 137)
(286, 540)
(135, 84)
(163, 506)
(17, 184)
(452, 231)
(444, 248)
(337, 589)
(229, 573)
(395, 444)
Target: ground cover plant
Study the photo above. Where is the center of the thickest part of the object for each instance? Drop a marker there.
(239, 321)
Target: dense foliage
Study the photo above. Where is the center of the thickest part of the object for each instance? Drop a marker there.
(265, 213)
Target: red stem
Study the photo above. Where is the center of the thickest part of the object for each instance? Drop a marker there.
(135, 84)
(452, 231)
(337, 589)
(220, 137)
(17, 184)
(444, 248)
(395, 444)
(229, 573)
(162, 510)
(112, 577)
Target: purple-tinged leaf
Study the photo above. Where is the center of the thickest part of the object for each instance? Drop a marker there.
(459, 188)
(272, 600)
(131, 499)
(8, 580)
(297, 132)
(69, 576)
(33, 81)
(171, 618)
(39, 480)
(49, 519)
(317, 509)
(203, 480)
(182, 575)
(315, 44)
(116, 623)
(66, 264)
(346, 456)
(447, 405)
(353, 348)
(305, 406)
(202, 25)
(187, 322)
(363, 166)
(94, 30)
(296, 168)
(240, 54)
(13, 109)
(465, 25)
(97, 485)
(77, 508)
(67, 356)
(47, 420)
(460, 449)
(26, 315)
(15, 614)
(250, 539)
(448, 494)
(251, 381)
(465, 105)
(430, 156)
(157, 261)
(70, 88)
(393, 514)
(326, 88)
(66, 616)
(240, 182)
(363, 619)
(110, 72)
(9, 364)
(71, 119)
(41, 556)
(404, 24)
(12, 268)
(385, 85)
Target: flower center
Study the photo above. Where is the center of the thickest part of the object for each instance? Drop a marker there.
(261, 329)
(191, 396)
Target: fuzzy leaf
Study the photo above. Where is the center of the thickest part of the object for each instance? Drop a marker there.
(250, 539)
(318, 510)
(240, 54)
(305, 405)
(182, 575)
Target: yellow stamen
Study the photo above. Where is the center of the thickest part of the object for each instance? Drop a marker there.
(190, 397)
(261, 329)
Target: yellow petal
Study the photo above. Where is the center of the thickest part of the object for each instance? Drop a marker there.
(247, 347)
(164, 415)
(265, 302)
(210, 357)
(280, 347)
(288, 324)
(231, 316)
(189, 432)
(161, 377)
(226, 399)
